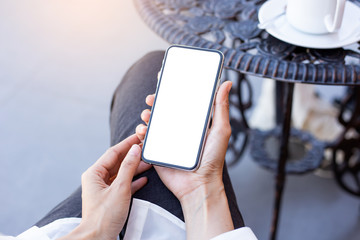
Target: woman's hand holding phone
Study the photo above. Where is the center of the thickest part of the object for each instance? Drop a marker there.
(201, 192)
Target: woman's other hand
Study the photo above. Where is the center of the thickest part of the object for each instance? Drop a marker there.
(106, 191)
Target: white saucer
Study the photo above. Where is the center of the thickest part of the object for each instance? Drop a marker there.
(281, 29)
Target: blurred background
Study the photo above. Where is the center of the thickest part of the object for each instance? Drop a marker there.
(60, 62)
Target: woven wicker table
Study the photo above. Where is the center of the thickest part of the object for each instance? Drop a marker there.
(231, 27)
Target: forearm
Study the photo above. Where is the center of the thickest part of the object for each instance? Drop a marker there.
(206, 212)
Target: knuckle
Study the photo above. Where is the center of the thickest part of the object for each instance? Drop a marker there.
(228, 131)
(123, 187)
(84, 176)
(224, 130)
(129, 163)
(112, 151)
(225, 103)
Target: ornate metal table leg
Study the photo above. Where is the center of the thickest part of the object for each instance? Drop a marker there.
(281, 175)
(238, 121)
(279, 102)
(346, 150)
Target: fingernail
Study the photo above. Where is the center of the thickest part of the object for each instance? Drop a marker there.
(134, 150)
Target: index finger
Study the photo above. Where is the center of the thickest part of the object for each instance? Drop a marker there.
(112, 158)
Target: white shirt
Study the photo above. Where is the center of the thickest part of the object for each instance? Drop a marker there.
(146, 221)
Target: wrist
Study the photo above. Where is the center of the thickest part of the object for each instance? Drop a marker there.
(206, 212)
(202, 194)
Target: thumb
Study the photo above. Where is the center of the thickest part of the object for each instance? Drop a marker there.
(128, 166)
(221, 107)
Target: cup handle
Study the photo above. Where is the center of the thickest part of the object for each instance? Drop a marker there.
(333, 24)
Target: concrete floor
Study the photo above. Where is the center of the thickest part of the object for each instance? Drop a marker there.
(59, 64)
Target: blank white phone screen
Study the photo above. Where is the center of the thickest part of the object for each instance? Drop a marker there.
(183, 103)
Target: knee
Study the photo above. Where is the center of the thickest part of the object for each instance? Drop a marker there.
(154, 56)
(142, 74)
(152, 59)
(146, 68)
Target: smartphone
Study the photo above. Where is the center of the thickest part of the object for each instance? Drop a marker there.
(184, 98)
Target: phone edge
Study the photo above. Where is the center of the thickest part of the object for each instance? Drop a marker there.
(210, 111)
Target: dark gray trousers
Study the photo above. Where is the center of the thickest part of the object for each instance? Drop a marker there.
(126, 107)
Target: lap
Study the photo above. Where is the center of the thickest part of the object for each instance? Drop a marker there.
(126, 107)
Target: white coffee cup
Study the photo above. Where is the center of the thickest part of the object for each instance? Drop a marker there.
(315, 16)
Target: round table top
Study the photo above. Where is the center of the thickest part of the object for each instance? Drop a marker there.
(231, 27)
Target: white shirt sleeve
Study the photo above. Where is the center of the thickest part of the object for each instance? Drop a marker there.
(146, 221)
(149, 221)
(53, 230)
(31, 233)
(244, 233)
